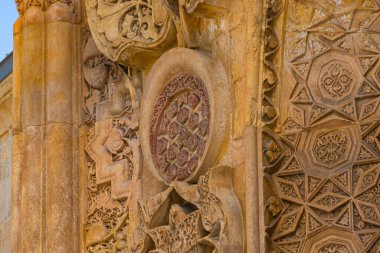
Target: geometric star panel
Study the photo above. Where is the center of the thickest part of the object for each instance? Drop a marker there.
(327, 177)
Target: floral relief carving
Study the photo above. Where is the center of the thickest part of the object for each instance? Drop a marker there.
(144, 29)
(197, 220)
(139, 24)
(272, 151)
(113, 150)
(326, 176)
(114, 146)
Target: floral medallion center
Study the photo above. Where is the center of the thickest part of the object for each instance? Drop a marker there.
(336, 79)
(330, 147)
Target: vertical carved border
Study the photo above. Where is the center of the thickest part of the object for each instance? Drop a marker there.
(269, 111)
(269, 114)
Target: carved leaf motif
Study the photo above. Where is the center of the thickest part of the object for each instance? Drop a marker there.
(367, 180)
(369, 108)
(345, 218)
(334, 248)
(274, 205)
(367, 62)
(302, 68)
(272, 151)
(313, 223)
(344, 45)
(329, 201)
(345, 20)
(367, 89)
(317, 112)
(317, 46)
(349, 110)
(288, 223)
(292, 166)
(290, 126)
(367, 237)
(291, 246)
(312, 185)
(369, 4)
(344, 181)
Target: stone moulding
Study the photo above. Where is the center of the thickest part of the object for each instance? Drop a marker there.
(212, 74)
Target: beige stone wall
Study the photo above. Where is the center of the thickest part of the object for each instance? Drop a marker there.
(5, 164)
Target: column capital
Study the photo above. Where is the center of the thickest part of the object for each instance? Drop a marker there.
(45, 11)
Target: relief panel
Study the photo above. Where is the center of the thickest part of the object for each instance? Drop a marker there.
(180, 132)
(111, 107)
(320, 152)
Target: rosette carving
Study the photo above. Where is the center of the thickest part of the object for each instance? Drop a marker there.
(182, 129)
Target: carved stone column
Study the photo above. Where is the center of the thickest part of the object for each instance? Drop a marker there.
(44, 127)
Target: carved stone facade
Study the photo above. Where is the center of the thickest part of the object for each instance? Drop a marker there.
(179, 134)
(196, 126)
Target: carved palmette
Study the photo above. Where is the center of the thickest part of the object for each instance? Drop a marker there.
(322, 161)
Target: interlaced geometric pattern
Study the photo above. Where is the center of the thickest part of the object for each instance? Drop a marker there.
(326, 170)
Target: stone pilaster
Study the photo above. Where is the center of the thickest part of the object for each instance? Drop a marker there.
(46, 41)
